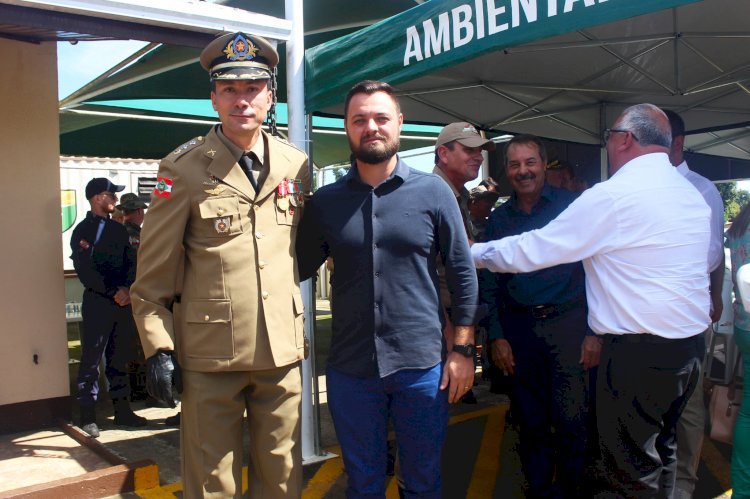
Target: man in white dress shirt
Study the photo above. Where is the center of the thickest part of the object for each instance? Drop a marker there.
(690, 427)
(643, 238)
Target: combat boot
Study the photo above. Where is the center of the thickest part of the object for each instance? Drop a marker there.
(88, 421)
(124, 415)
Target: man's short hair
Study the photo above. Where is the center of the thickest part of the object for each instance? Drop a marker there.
(370, 87)
(449, 145)
(676, 122)
(526, 138)
(640, 120)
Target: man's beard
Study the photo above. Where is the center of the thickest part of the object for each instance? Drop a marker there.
(375, 152)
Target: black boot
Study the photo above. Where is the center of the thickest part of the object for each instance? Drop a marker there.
(124, 415)
(88, 421)
(173, 420)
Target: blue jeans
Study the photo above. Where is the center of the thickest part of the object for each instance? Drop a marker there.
(360, 408)
(741, 451)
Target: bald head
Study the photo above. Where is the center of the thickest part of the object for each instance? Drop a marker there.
(640, 129)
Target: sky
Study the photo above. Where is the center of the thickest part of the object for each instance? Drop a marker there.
(81, 63)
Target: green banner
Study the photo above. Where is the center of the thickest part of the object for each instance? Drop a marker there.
(443, 33)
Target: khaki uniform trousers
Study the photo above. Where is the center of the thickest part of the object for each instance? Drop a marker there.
(213, 405)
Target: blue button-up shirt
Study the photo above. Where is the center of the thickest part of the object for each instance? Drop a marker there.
(387, 314)
(553, 285)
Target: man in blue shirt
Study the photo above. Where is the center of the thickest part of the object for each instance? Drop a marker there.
(384, 225)
(538, 328)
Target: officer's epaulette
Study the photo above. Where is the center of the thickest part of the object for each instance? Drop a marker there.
(187, 146)
(284, 141)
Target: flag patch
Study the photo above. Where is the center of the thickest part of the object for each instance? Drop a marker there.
(163, 187)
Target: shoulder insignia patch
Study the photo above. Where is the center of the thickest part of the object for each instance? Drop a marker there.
(187, 146)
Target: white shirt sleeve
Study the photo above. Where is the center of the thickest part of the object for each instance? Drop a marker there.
(587, 227)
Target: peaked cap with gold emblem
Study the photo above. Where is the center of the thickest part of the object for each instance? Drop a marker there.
(239, 56)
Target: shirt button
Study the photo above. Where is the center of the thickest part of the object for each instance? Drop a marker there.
(256, 207)
(220, 212)
(264, 294)
(205, 318)
(377, 305)
(259, 235)
(377, 274)
(262, 264)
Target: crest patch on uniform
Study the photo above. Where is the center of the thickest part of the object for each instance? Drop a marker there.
(222, 225)
(84, 244)
(163, 187)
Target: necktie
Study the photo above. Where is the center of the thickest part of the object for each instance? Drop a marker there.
(246, 162)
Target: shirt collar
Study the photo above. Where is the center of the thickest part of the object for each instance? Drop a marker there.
(546, 193)
(401, 171)
(440, 173)
(649, 160)
(683, 168)
(259, 148)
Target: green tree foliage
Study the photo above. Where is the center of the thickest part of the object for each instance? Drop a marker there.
(734, 199)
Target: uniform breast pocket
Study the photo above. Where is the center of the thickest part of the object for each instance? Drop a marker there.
(208, 332)
(221, 216)
(288, 210)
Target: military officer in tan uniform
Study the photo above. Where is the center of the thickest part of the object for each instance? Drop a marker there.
(217, 287)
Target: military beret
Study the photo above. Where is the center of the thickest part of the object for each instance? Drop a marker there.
(239, 56)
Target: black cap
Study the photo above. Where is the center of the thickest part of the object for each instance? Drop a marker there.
(239, 56)
(130, 202)
(100, 184)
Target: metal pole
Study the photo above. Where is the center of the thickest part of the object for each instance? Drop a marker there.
(295, 77)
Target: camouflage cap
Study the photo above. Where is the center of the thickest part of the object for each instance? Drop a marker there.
(130, 202)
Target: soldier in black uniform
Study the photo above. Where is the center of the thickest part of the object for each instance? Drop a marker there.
(132, 208)
(105, 264)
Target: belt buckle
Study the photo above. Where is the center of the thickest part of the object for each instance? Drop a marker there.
(542, 311)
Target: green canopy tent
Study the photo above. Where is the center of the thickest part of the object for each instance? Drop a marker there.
(110, 116)
(561, 69)
(151, 128)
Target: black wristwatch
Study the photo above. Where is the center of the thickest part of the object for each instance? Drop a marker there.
(467, 350)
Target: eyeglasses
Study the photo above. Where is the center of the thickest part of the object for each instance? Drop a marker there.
(609, 131)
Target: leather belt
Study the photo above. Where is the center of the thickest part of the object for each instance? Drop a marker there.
(643, 338)
(548, 310)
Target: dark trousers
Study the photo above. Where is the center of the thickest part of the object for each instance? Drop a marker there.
(644, 383)
(550, 399)
(108, 330)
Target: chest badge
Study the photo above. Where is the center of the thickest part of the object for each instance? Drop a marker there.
(222, 225)
(215, 191)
